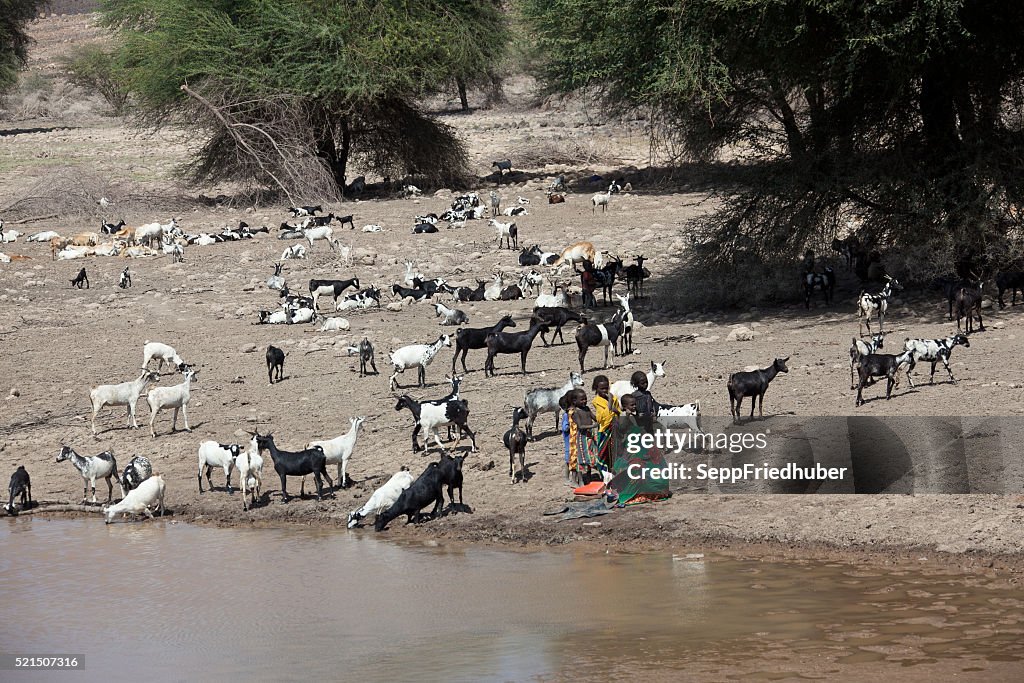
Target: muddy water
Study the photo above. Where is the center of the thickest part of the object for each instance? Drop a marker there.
(178, 602)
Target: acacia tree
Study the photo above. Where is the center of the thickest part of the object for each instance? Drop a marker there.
(907, 113)
(14, 41)
(285, 86)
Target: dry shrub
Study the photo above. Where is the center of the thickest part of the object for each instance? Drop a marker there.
(565, 152)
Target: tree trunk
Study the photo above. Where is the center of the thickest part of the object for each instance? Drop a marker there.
(462, 93)
(327, 149)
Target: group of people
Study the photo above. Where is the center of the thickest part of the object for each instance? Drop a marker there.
(595, 438)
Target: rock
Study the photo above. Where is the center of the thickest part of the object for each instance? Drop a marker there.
(741, 333)
(394, 306)
(248, 348)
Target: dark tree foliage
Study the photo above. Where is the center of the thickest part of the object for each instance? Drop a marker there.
(271, 78)
(907, 114)
(14, 41)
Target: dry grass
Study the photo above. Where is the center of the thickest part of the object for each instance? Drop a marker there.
(575, 151)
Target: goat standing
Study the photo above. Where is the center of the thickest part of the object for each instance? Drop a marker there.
(753, 384)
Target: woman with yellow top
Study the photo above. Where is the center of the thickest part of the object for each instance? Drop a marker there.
(606, 408)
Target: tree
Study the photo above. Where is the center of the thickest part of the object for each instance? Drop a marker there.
(14, 41)
(907, 114)
(286, 86)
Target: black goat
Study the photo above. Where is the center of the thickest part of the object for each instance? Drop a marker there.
(635, 276)
(826, 282)
(602, 334)
(530, 257)
(366, 356)
(968, 303)
(605, 276)
(556, 317)
(275, 361)
(425, 490)
(1012, 280)
(515, 441)
(402, 292)
(511, 293)
(467, 294)
(753, 384)
(881, 365)
(451, 475)
(21, 486)
(467, 338)
(346, 219)
(335, 288)
(111, 228)
(431, 287)
(951, 284)
(321, 221)
(296, 464)
(80, 279)
(511, 342)
(424, 228)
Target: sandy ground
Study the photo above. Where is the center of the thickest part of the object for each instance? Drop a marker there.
(59, 341)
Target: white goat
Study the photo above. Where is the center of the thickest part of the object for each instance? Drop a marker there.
(320, 233)
(492, 292)
(507, 232)
(124, 394)
(149, 494)
(673, 417)
(411, 274)
(163, 353)
(372, 227)
(452, 316)
(383, 498)
(625, 386)
(176, 397)
(558, 297)
(416, 356)
(339, 449)
(213, 454)
(601, 199)
(102, 466)
(250, 473)
(9, 235)
(334, 325)
(276, 281)
(296, 251)
(44, 236)
(153, 232)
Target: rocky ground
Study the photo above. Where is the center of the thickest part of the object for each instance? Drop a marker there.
(59, 341)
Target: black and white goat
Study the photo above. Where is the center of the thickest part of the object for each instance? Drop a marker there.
(511, 342)
(102, 466)
(417, 356)
(297, 211)
(450, 316)
(515, 441)
(859, 348)
(138, 470)
(126, 279)
(933, 351)
(403, 292)
(826, 282)
(429, 416)
(334, 288)
(753, 384)
(467, 338)
(507, 232)
(213, 454)
(599, 334)
(539, 401)
(872, 304)
(296, 464)
(880, 365)
(467, 294)
(111, 228)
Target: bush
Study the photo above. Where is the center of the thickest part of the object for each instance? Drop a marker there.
(93, 68)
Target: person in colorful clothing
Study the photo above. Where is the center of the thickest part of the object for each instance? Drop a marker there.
(565, 403)
(582, 438)
(606, 408)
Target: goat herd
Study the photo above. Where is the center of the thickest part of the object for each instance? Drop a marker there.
(143, 491)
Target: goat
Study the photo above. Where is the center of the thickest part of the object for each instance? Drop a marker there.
(673, 417)
(530, 256)
(275, 363)
(213, 454)
(138, 470)
(426, 489)
(968, 303)
(933, 351)
(558, 185)
(507, 232)
(153, 232)
(20, 486)
(753, 384)
(554, 198)
(275, 281)
(603, 334)
(249, 464)
(334, 288)
(44, 236)
(625, 386)
(556, 317)
(627, 325)
(342, 220)
(846, 248)
(881, 365)
(416, 356)
(403, 292)
(605, 277)
(869, 304)
(428, 416)
(1012, 280)
(515, 211)
(859, 348)
(515, 441)
(601, 199)
(539, 401)
(451, 475)
(296, 251)
(322, 221)
(297, 211)
(366, 356)
(557, 299)
(102, 466)
(176, 397)
(426, 218)
(495, 204)
(635, 276)
(467, 294)
(825, 281)
(319, 233)
(372, 227)
(384, 497)
(511, 342)
(81, 278)
(492, 292)
(339, 449)
(296, 464)
(502, 166)
(161, 352)
(424, 228)
(452, 316)
(124, 394)
(410, 191)
(476, 338)
(149, 494)
(334, 325)
(511, 293)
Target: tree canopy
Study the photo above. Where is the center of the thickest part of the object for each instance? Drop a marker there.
(906, 113)
(341, 79)
(14, 41)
